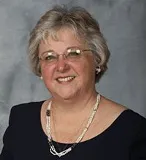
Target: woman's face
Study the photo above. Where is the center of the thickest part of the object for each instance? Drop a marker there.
(67, 79)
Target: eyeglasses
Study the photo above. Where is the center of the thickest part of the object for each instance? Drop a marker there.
(71, 54)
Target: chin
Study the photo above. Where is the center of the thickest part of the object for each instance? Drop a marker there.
(66, 95)
(65, 92)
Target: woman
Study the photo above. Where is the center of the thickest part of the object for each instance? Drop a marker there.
(68, 51)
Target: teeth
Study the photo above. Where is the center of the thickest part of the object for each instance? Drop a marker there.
(65, 79)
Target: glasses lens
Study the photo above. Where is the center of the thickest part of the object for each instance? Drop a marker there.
(73, 53)
(49, 57)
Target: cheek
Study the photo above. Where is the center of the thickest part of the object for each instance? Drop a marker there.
(88, 66)
(86, 72)
(89, 71)
(47, 72)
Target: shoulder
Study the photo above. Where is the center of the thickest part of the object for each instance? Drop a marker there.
(138, 147)
(25, 110)
(120, 114)
(26, 106)
(132, 120)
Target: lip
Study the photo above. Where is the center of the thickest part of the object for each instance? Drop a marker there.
(65, 79)
(64, 76)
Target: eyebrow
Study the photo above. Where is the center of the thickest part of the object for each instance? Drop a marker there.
(51, 50)
(47, 51)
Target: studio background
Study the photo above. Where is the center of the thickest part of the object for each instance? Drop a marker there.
(123, 23)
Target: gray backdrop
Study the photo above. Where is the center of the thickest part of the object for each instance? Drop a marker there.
(123, 22)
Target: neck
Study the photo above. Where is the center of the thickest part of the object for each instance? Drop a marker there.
(75, 104)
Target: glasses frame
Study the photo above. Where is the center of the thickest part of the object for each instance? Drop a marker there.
(65, 54)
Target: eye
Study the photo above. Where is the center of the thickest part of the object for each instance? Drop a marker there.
(49, 56)
(74, 52)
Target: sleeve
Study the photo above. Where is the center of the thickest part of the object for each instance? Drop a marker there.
(139, 145)
(6, 153)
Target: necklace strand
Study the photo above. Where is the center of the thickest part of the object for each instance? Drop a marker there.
(48, 128)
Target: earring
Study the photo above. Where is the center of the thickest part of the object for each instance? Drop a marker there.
(98, 69)
(41, 77)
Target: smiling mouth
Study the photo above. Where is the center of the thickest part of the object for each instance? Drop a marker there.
(65, 79)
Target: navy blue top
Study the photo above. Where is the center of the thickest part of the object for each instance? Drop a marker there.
(25, 139)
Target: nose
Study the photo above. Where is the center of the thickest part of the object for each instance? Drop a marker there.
(62, 65)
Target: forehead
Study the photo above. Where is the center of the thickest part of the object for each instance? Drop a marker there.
(61, 40)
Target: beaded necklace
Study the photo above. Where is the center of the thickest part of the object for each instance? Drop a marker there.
(48, 128)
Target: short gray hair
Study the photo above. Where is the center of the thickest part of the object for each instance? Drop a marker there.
(77, 19)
